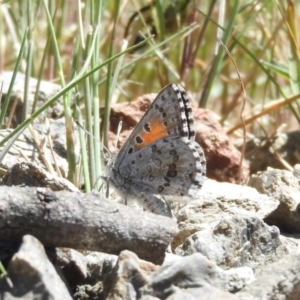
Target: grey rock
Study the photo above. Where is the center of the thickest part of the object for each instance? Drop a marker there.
(45, 92)
(291, 241)
(184, 278)
(231, 280)
(235, 279)
(236, 242)
(86, 291)
(148, 297)
(217, 201)
(203, 293)
(32, 174)
(129, 275)
(283, 186)
(32, 275)
(296, 171)
(99, 265)
(73, 265)
(178, 278)
(280, 280)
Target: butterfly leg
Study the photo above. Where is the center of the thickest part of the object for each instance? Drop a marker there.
(104, 179)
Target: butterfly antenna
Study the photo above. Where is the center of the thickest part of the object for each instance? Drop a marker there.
(118, 134)
(103, 146)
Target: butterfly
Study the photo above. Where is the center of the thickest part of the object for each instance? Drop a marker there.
(160, 157)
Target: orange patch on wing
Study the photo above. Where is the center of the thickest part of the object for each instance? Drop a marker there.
(158, 131)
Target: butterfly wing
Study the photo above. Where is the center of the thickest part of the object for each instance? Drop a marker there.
(160, 156)
(170, 114)
(170, 166)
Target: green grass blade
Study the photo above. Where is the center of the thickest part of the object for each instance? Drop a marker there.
(12, 82)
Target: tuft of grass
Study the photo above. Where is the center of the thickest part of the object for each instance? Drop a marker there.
(81, 46)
